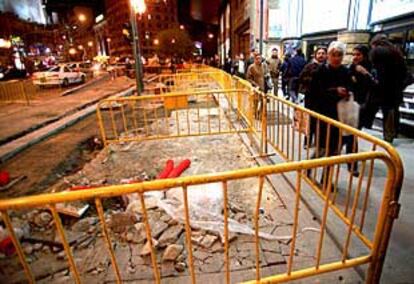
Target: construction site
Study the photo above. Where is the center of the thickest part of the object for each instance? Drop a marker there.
(205, 179)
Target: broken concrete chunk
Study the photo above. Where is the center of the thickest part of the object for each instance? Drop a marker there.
(84, 224)
(121, 221)
(165, 218)
(146, 250)
(170, 235)
(136, 234)
(208, 241)
(134, 205)
(43, 219)
(180, 266)
(28, 249)
(172, 252)
(157, 227)
(240, 216)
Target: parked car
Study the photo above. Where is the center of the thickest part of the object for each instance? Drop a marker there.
(11, 73)
(84, 67)
(58, 75)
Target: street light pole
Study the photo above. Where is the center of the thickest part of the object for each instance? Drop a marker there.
(261, 28)
(137, 6)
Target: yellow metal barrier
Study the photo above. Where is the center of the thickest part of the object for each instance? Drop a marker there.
(269, 121)
(158, 117)
(16, 91)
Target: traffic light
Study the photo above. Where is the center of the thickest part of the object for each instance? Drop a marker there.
(127, 32)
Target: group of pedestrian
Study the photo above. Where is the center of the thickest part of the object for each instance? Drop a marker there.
(374, 80)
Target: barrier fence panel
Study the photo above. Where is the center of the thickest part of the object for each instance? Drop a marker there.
(322, 178)
(16, 91)
(161, 116)
(294, 133)
(292, 270)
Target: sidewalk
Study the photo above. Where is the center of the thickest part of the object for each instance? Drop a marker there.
(17, 120)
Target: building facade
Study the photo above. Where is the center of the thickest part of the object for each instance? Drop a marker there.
(159, 16)
(291, 24)
(240, 27)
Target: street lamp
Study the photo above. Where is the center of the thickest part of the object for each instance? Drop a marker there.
(137, 7)
(90, 43)
(72, 51)
(108, 40)
(82, 17)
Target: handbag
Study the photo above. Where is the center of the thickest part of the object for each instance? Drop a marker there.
(348, 112)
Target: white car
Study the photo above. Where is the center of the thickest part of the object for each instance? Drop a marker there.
(58, 75)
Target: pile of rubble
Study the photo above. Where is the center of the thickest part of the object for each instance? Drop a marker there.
(44, 249)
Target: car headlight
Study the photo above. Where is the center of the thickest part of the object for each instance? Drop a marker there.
(1, 75)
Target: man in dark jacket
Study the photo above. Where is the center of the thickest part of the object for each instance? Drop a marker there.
(305, 80)
(297, 63)
(390, 73)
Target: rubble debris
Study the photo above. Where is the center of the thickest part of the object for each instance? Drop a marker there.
(146, 250)
(170, 235)
(120, 221)
(74, 209)
(172, 252)
(42, 219)
(84, 224)
(27, 248)
(208, 241)
(180, 266)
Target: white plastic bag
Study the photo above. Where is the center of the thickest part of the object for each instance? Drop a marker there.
(348, 112)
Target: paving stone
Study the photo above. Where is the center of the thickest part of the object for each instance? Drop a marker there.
(213, 264)
(201, 255)
(95, 257)
(168, 269)
(217, 247)
(172, 252)
(274, 258)
(272, 246)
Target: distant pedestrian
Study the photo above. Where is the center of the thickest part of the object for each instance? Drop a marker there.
(286, 75)
(240, 67)
(251, 58)
(274, 69)
(228, 64)
(362, 80)
(297, 63)
(256, 76)
(391, 73)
